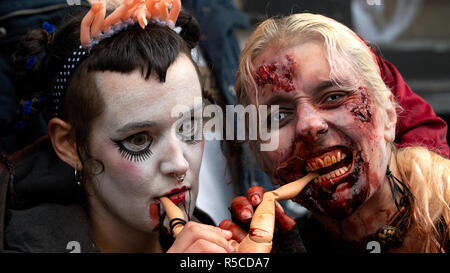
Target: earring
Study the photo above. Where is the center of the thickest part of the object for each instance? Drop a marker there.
(78, 177)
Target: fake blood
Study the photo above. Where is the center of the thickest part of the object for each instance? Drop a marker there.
(279, 76)
(361, 109)
(154, 214)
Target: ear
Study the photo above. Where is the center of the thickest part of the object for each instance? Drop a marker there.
(390, 121)
(64, 144)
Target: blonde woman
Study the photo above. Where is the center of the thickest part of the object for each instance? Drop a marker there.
(338, 117)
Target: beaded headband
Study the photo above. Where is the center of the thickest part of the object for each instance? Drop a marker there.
(95, 27)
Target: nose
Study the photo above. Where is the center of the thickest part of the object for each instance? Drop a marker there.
(310, 124)
(174, 162)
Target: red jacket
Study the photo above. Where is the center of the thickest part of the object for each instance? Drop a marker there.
(417, 124)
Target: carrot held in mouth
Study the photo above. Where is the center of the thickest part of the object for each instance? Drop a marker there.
(262, 226)
(173, 213)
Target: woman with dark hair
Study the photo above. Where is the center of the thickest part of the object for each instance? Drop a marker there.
(114, 146)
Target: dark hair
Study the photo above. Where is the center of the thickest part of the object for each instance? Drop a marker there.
(152, 50)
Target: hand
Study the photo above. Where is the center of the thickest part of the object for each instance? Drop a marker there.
(242, 209)
(200, 238)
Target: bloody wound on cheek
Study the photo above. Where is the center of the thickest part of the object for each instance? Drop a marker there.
(361, 109)
(279, 76)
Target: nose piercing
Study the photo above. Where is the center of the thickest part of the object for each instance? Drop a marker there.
(180, 178)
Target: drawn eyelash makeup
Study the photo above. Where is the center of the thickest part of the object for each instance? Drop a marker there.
(135, 148)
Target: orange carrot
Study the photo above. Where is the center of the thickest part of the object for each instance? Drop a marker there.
(172, 212)
(292, 189)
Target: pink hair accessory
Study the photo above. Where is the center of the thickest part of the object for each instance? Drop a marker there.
(95, 27)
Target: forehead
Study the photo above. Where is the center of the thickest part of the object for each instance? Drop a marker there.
(130, 97)
(307, 62)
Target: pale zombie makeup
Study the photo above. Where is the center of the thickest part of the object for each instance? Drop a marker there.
(323, 127)
(139, 144)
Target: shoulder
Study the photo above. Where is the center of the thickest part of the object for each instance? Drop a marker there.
(48, 228)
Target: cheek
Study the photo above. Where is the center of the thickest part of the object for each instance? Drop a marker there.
(121, 169)
(285, 147)
(154, 216)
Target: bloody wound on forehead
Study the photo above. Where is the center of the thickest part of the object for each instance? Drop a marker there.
(279, 76)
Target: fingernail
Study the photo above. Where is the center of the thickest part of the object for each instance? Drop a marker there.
(245, 214)
(255, 199)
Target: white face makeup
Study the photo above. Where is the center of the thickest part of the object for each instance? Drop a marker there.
(136, 140)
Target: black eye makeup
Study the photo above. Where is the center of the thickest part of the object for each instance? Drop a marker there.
(135, 148)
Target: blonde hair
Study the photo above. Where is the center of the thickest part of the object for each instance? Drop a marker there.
(426, 173)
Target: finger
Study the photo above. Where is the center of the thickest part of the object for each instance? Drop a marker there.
(204, 246)
(283, 221)
(193, 232)
(221, 232)
(255, 194)
(238, 234)
(242, 209)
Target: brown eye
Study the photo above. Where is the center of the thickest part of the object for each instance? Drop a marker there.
(138, 142)
(136, 147)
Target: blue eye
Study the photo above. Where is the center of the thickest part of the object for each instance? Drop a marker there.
(333, 97)
(281, 116)
(135, 148)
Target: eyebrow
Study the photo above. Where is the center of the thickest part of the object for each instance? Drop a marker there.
(323, 85)
(320, 87)
(136, 125)
(146, 124)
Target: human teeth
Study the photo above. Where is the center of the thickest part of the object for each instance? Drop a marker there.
(327, 161)
(320, 163)
(333, 174)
